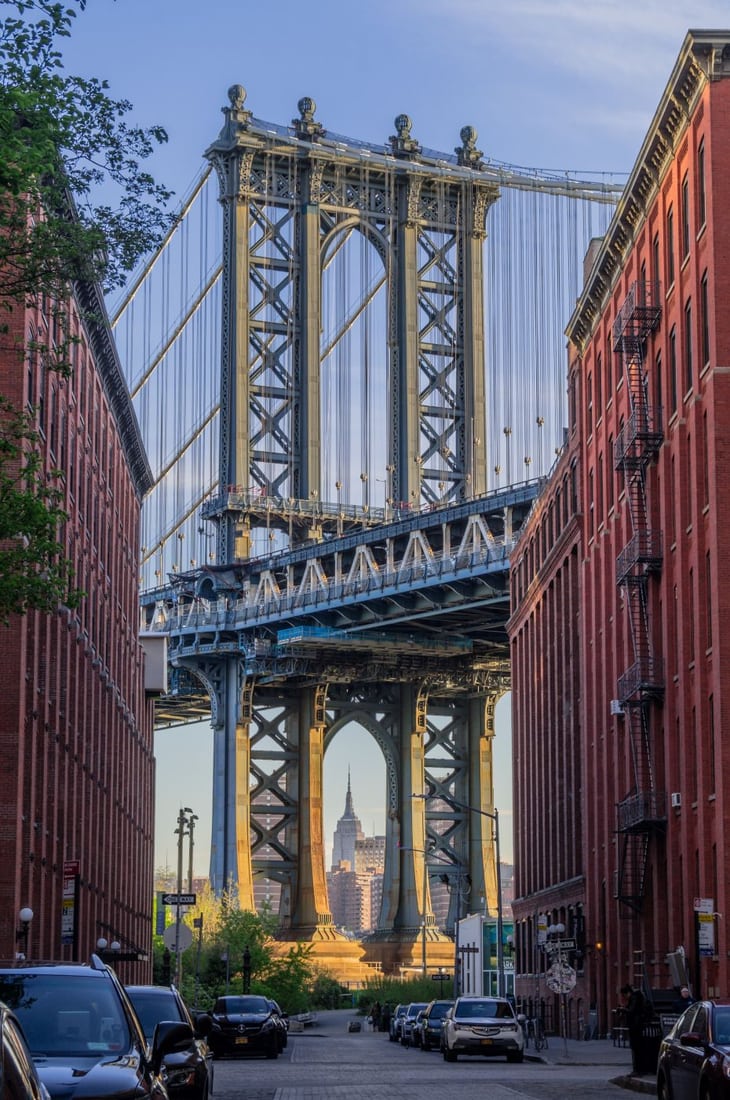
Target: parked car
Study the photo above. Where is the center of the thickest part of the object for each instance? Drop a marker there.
(19, 1078)
(246, 1024)
(485, 1026)
(694, 1057)
(396, 1021)
(409, 1036)
(432, 1019)
(190, 1071)
(83, 1033)
(283, 1022)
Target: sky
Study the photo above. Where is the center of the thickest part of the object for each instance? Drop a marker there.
(552, 84)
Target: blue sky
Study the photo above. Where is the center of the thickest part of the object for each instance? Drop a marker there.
(553, 84)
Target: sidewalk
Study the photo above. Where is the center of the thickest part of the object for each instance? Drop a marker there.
(594, 1052)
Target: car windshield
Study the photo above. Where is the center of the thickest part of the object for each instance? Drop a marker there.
(493, 1010)
(228, 1006)
(152, 1006)
(62, 1014)
(438, 1011)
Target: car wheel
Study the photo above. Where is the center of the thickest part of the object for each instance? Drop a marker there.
(425, 1045)
(449, 1055)
(516, 1056)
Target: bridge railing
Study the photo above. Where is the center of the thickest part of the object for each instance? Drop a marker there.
(196, 612)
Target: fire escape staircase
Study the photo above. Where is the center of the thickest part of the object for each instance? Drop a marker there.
(641, 686)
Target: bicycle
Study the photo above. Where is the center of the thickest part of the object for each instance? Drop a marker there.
(539, 1037)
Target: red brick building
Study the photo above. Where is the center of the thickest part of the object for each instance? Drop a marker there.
(620, 585)
(76, 762)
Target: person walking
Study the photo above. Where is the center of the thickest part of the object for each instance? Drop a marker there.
(635, 1010)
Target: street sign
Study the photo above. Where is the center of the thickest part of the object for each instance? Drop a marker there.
(561, 978)
(561, 945)
(178, 899)
(177, 937)
(441, 977)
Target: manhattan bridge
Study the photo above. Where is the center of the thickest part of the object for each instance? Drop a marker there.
(348, 364)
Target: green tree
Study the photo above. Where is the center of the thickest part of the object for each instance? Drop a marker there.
(76, 205)
(32, 571)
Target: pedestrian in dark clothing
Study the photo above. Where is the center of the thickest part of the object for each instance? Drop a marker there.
(684, 999)
(635, 1017)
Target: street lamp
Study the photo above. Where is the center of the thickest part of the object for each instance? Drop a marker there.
(182, 821)
(25, 916)
(493, 816)
(555, 933)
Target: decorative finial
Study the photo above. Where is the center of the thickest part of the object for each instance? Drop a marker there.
(402, 144)
(235, 113)
(306, 126)
(467, 153)
(237, 96)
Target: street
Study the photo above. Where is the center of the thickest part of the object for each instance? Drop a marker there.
(326, 1062)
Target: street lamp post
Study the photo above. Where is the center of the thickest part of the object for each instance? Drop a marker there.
(493, 816)
(25, 916)
(182, 821)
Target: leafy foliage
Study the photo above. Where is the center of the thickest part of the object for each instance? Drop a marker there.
(215, 965)
(75, 205)
(62, 139)
(32, 571)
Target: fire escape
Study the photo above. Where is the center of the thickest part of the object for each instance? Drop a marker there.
(641, 687)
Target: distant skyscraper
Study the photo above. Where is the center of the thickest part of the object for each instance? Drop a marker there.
(355, 883)
(347, 833)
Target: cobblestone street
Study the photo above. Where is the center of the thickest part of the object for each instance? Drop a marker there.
(328, 1063)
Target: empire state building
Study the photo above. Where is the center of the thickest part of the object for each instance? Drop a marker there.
(347, 834)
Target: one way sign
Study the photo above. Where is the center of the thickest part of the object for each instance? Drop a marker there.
(178, 899)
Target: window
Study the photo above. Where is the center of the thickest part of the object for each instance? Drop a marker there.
(704, 322)
(599, 388)
(609, 484)
(589, 403)
(609, 372)
(655, 269)
(711, 724)
(673, 370)
(670, 246)
(658, 391)
(688, 345)
(685, 217)
(705, 462)
(708, 597)
(701, 185)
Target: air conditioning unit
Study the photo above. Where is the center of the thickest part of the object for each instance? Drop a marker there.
(616, 707)
(676, 799)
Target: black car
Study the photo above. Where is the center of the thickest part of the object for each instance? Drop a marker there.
(396, 1023)
(19, 1079)
(694, 1058)
(83, 1034)
(432, 1019)
(246, 1024)
(190, 1071)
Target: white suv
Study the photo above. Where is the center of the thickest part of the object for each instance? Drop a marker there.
(486, 1026)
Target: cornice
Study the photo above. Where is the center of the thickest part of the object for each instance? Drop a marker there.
(705, 56)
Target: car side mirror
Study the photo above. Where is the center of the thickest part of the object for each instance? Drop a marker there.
(691, 1039)
(169, 1036)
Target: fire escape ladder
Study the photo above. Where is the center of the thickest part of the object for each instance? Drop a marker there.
(631, 875)
(641, 686)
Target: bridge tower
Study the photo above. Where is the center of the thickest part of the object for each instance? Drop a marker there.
(293, 199)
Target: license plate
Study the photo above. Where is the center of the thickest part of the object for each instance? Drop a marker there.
(486, 1042)
(241, 1040)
